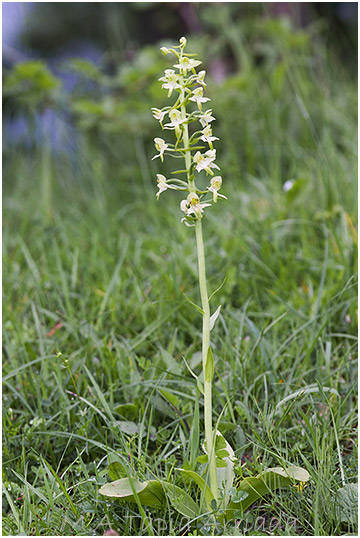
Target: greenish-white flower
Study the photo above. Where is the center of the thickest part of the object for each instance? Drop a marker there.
(205, 161)
(207, 135)
(161, 146)
(206, 117)
(200, 78)
(198, 97)
(215, 185)
(176, 120)
(171, 81)
(187, 63)
(161, 183)
(192, 206)
(158, 114)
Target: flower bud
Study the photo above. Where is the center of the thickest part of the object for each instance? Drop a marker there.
(164, 50)
(183, 41)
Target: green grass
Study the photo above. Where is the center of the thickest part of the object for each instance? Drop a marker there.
(87, 246)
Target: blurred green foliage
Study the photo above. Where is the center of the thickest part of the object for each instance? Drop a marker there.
(31, 84)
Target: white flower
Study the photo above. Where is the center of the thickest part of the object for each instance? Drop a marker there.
(207, 135)
(161, 146)
(205, 161)
(206, 117)
(158, 114)
(171, 81)
(198, 98)
(187, 63)
(176, 120)
(215, 185)
(161, 183)
(193, 206)
(200, 78)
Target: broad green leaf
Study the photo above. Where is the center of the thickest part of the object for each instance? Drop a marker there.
(347, 503)
(209, 497)
(150, 493)
(116, 471)
(127, 410)
(209, 367)
(181, 501)
(122, 488)
(214, 317)
(265, 483)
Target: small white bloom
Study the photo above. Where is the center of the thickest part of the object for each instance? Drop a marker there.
(198, 98)
(207, 135)
(158, 114)
(206, 117)
(161, 146)
(215, 185)
(200, 78)
(176, 120)
(170, 81)
(161, 183)
(193, 206)
(288, 185)
(205, 161)
(187, 63)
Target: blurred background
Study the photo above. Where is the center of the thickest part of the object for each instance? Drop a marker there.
(79, 81)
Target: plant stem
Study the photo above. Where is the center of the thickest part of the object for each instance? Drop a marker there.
(205, 347)
(206, 317)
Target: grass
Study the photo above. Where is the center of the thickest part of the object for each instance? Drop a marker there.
(96, 270)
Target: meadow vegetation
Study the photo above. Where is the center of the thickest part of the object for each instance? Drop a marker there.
(96, 324)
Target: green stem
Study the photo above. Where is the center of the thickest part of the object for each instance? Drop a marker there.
(206, 317)
(205, 348)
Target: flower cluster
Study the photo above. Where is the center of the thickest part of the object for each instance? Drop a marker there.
(189, 86)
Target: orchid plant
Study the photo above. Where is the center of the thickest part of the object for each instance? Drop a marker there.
(193, 141)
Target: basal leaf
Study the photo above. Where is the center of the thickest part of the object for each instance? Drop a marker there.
(181, 501)
(209, 497)
(150, 493)
(271, 480)
(347, 504)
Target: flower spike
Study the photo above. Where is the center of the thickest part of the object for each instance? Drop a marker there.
(190, 85)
